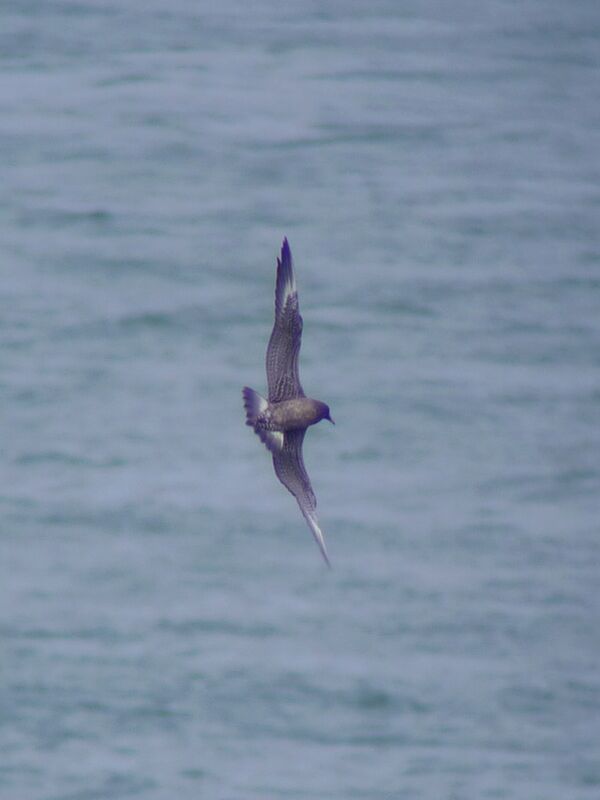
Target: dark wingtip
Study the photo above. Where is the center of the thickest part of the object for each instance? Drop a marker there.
(284, 283)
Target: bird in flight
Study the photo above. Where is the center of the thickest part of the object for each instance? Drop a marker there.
(281, 421)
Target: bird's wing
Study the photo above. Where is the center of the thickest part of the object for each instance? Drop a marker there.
(286, 337)
(290, 469)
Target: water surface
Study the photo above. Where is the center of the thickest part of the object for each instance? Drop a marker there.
(168, 629)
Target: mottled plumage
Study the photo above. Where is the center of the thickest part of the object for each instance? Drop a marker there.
(281, 422)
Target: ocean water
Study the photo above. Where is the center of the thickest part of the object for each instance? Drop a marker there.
(167, 627)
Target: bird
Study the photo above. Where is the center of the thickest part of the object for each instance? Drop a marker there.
(281, 421)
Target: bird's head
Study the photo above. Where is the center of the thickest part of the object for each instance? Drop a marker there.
(325, 413)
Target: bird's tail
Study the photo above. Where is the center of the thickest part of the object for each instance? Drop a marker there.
(254, 404)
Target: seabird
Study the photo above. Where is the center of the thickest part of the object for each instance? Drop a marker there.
(281, 421)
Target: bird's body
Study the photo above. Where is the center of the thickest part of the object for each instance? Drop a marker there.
(282, 420)
(292, 415)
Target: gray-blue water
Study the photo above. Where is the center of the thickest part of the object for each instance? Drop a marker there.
(168, 629)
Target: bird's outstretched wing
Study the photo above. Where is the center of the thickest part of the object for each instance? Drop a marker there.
(286, 337)
(290, 469)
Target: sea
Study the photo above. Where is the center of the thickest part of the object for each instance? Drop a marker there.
(168, 628)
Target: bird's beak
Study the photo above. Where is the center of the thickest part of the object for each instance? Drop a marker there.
(330, 420)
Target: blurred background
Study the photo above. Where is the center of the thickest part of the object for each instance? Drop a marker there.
(167, 626)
